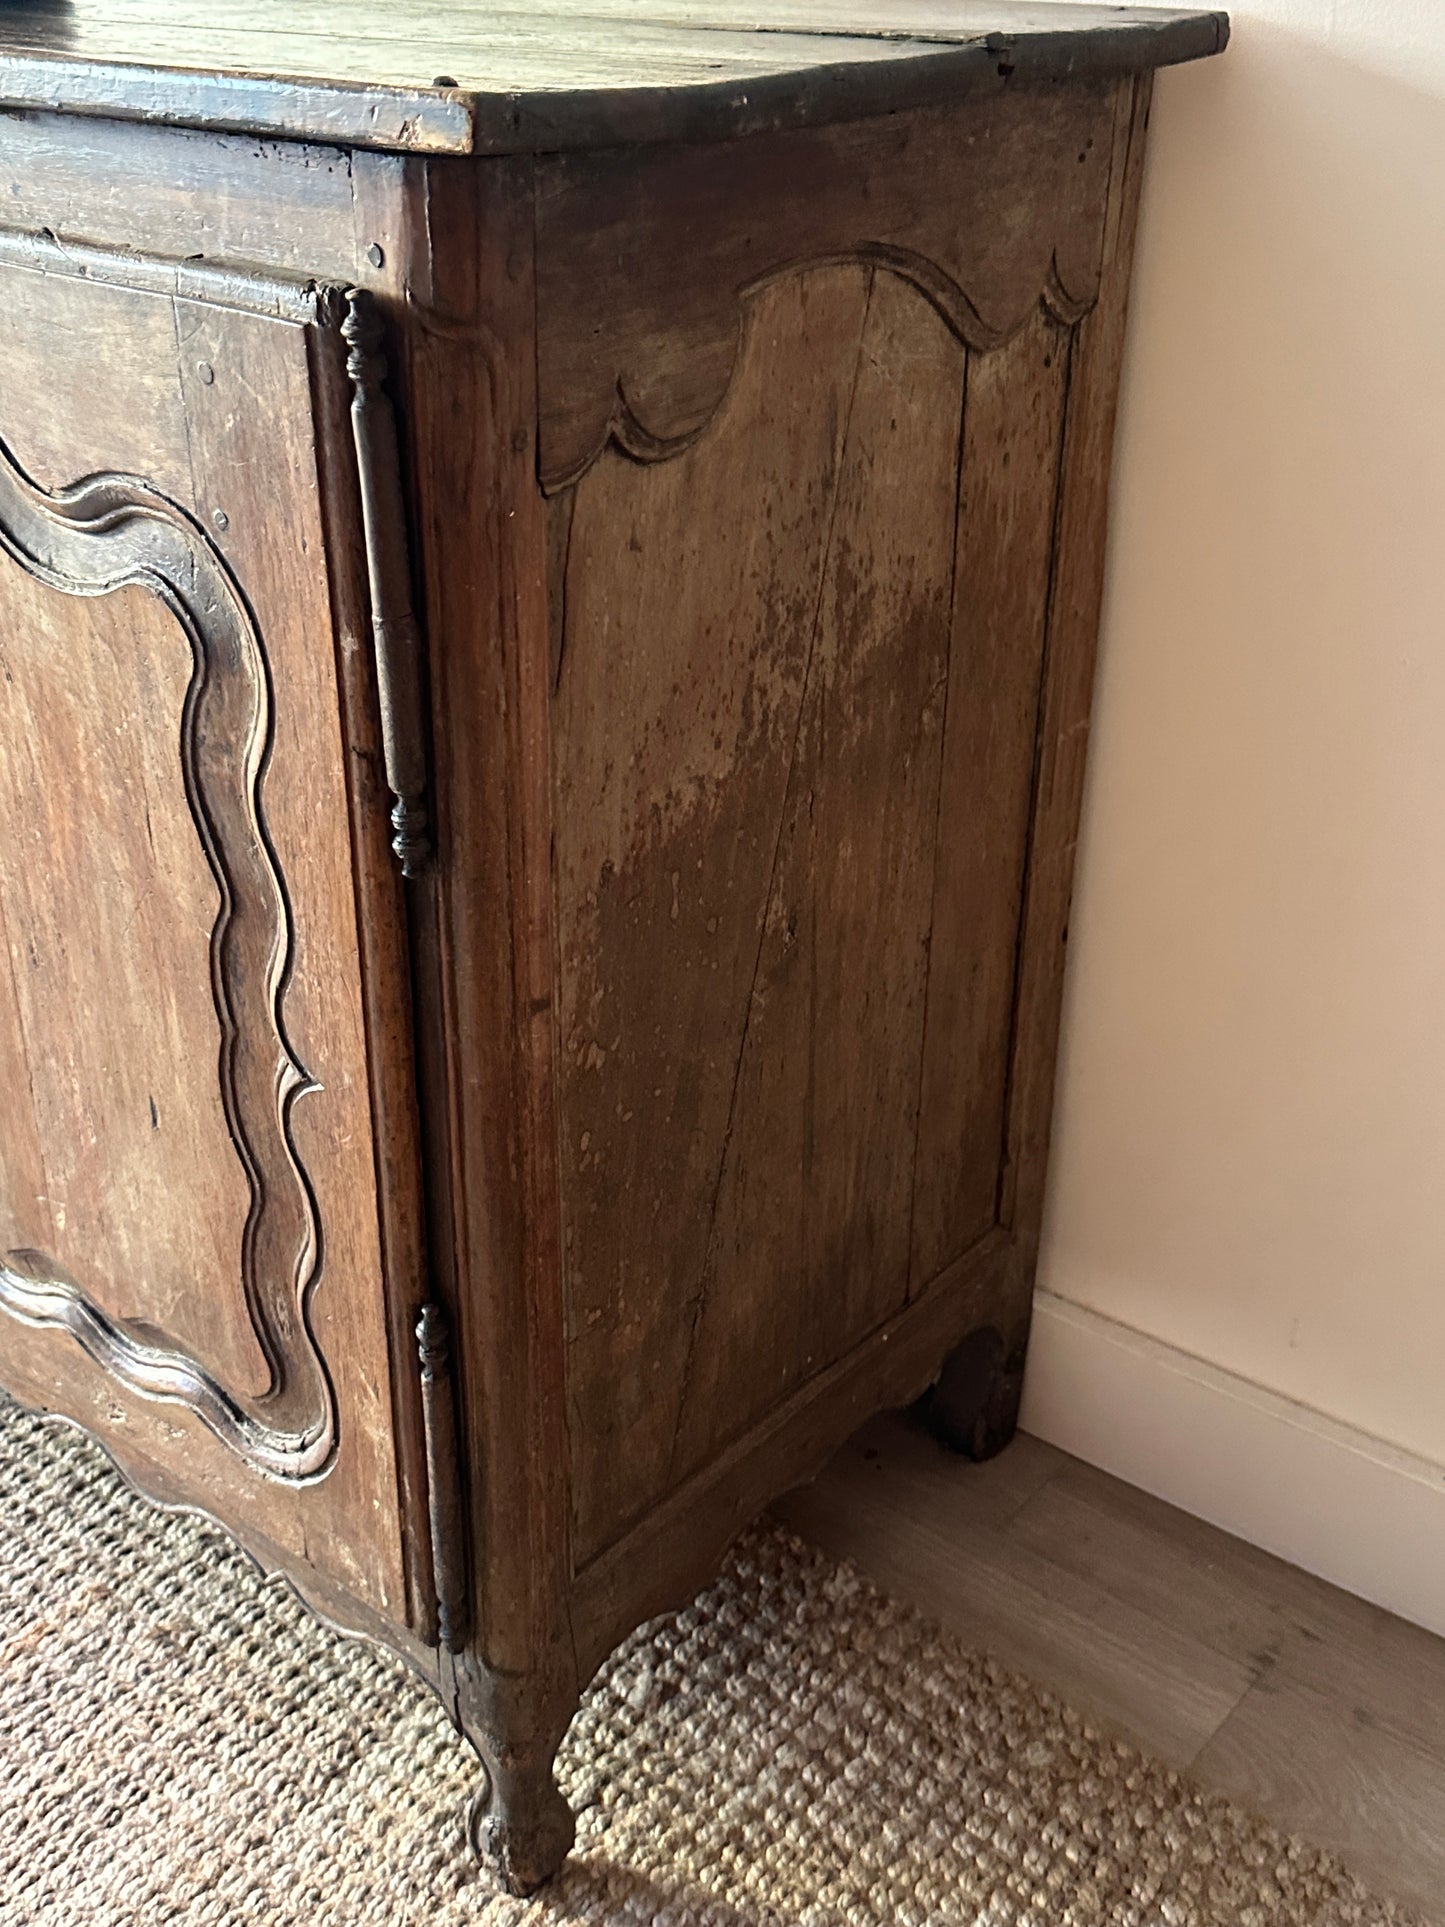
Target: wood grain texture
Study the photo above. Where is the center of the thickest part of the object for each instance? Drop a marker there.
(720, 875)
(129, 397)
(808, 1231)
(661, 635)
(193, 890)
(254, 439)
(772, 849)
(699, 858)
(384, 955)
(1286, 1624)
(659, 1564)
(631, 351)
(512, 79)
(1163, 1685)
(1012, 431)
(99, 686)
(101, 536)
(1332, 1776)
(1076, 589)
(170, 195)
(486, 944)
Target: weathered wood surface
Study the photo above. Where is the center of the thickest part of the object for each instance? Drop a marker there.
(797, 654)
(165, 194)
(1012, 429)
(669, 1553)
(632, 350)
(664, 846)
(91, 896)
(181, 934)
(485, 978)
(764, 854)
(383, 954)
(516, 78)
(808, 1239)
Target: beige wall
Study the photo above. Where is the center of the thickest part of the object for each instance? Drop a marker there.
(1249, 1151)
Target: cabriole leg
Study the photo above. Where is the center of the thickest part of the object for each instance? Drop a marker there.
(518, 1819)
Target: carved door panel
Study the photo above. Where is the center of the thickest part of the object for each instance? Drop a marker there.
(200, 1246)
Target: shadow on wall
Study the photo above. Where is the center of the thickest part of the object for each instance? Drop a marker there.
(1250, 1134)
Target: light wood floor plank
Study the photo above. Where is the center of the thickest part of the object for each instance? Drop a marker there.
(1304, 1760)
(1314, 1708)
(1156, 1684)
(1242, 1601)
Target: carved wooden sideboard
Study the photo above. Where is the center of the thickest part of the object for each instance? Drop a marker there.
(549, 565)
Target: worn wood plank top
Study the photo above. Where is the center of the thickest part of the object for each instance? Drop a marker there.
(532, 75)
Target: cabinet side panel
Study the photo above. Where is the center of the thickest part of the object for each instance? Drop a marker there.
(749, 714)
(674, 729)
(1013, 425)
(808, 1235)
(805, 436)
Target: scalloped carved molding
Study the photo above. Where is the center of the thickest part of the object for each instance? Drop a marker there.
(103, 534)
(987, 209)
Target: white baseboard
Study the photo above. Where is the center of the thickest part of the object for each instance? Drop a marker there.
(1336, 1501)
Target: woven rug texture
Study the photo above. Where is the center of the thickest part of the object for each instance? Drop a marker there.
(181, 1743)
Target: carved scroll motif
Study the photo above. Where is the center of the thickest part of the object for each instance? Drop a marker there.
(648, 259)
(104, 534)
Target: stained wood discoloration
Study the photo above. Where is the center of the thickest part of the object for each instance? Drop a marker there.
(665, 843)
(807, 1245)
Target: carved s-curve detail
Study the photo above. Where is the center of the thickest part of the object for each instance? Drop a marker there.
(987, 207)
(104, 534)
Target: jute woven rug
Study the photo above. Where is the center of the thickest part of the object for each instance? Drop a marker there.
(180, 1742)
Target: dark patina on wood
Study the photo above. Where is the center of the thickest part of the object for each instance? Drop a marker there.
(683, 541)
(529, 76)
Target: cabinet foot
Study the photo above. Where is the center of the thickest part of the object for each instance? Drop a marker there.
(974, 1406)
(518, 1820)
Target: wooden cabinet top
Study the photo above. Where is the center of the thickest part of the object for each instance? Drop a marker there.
(508, 76)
